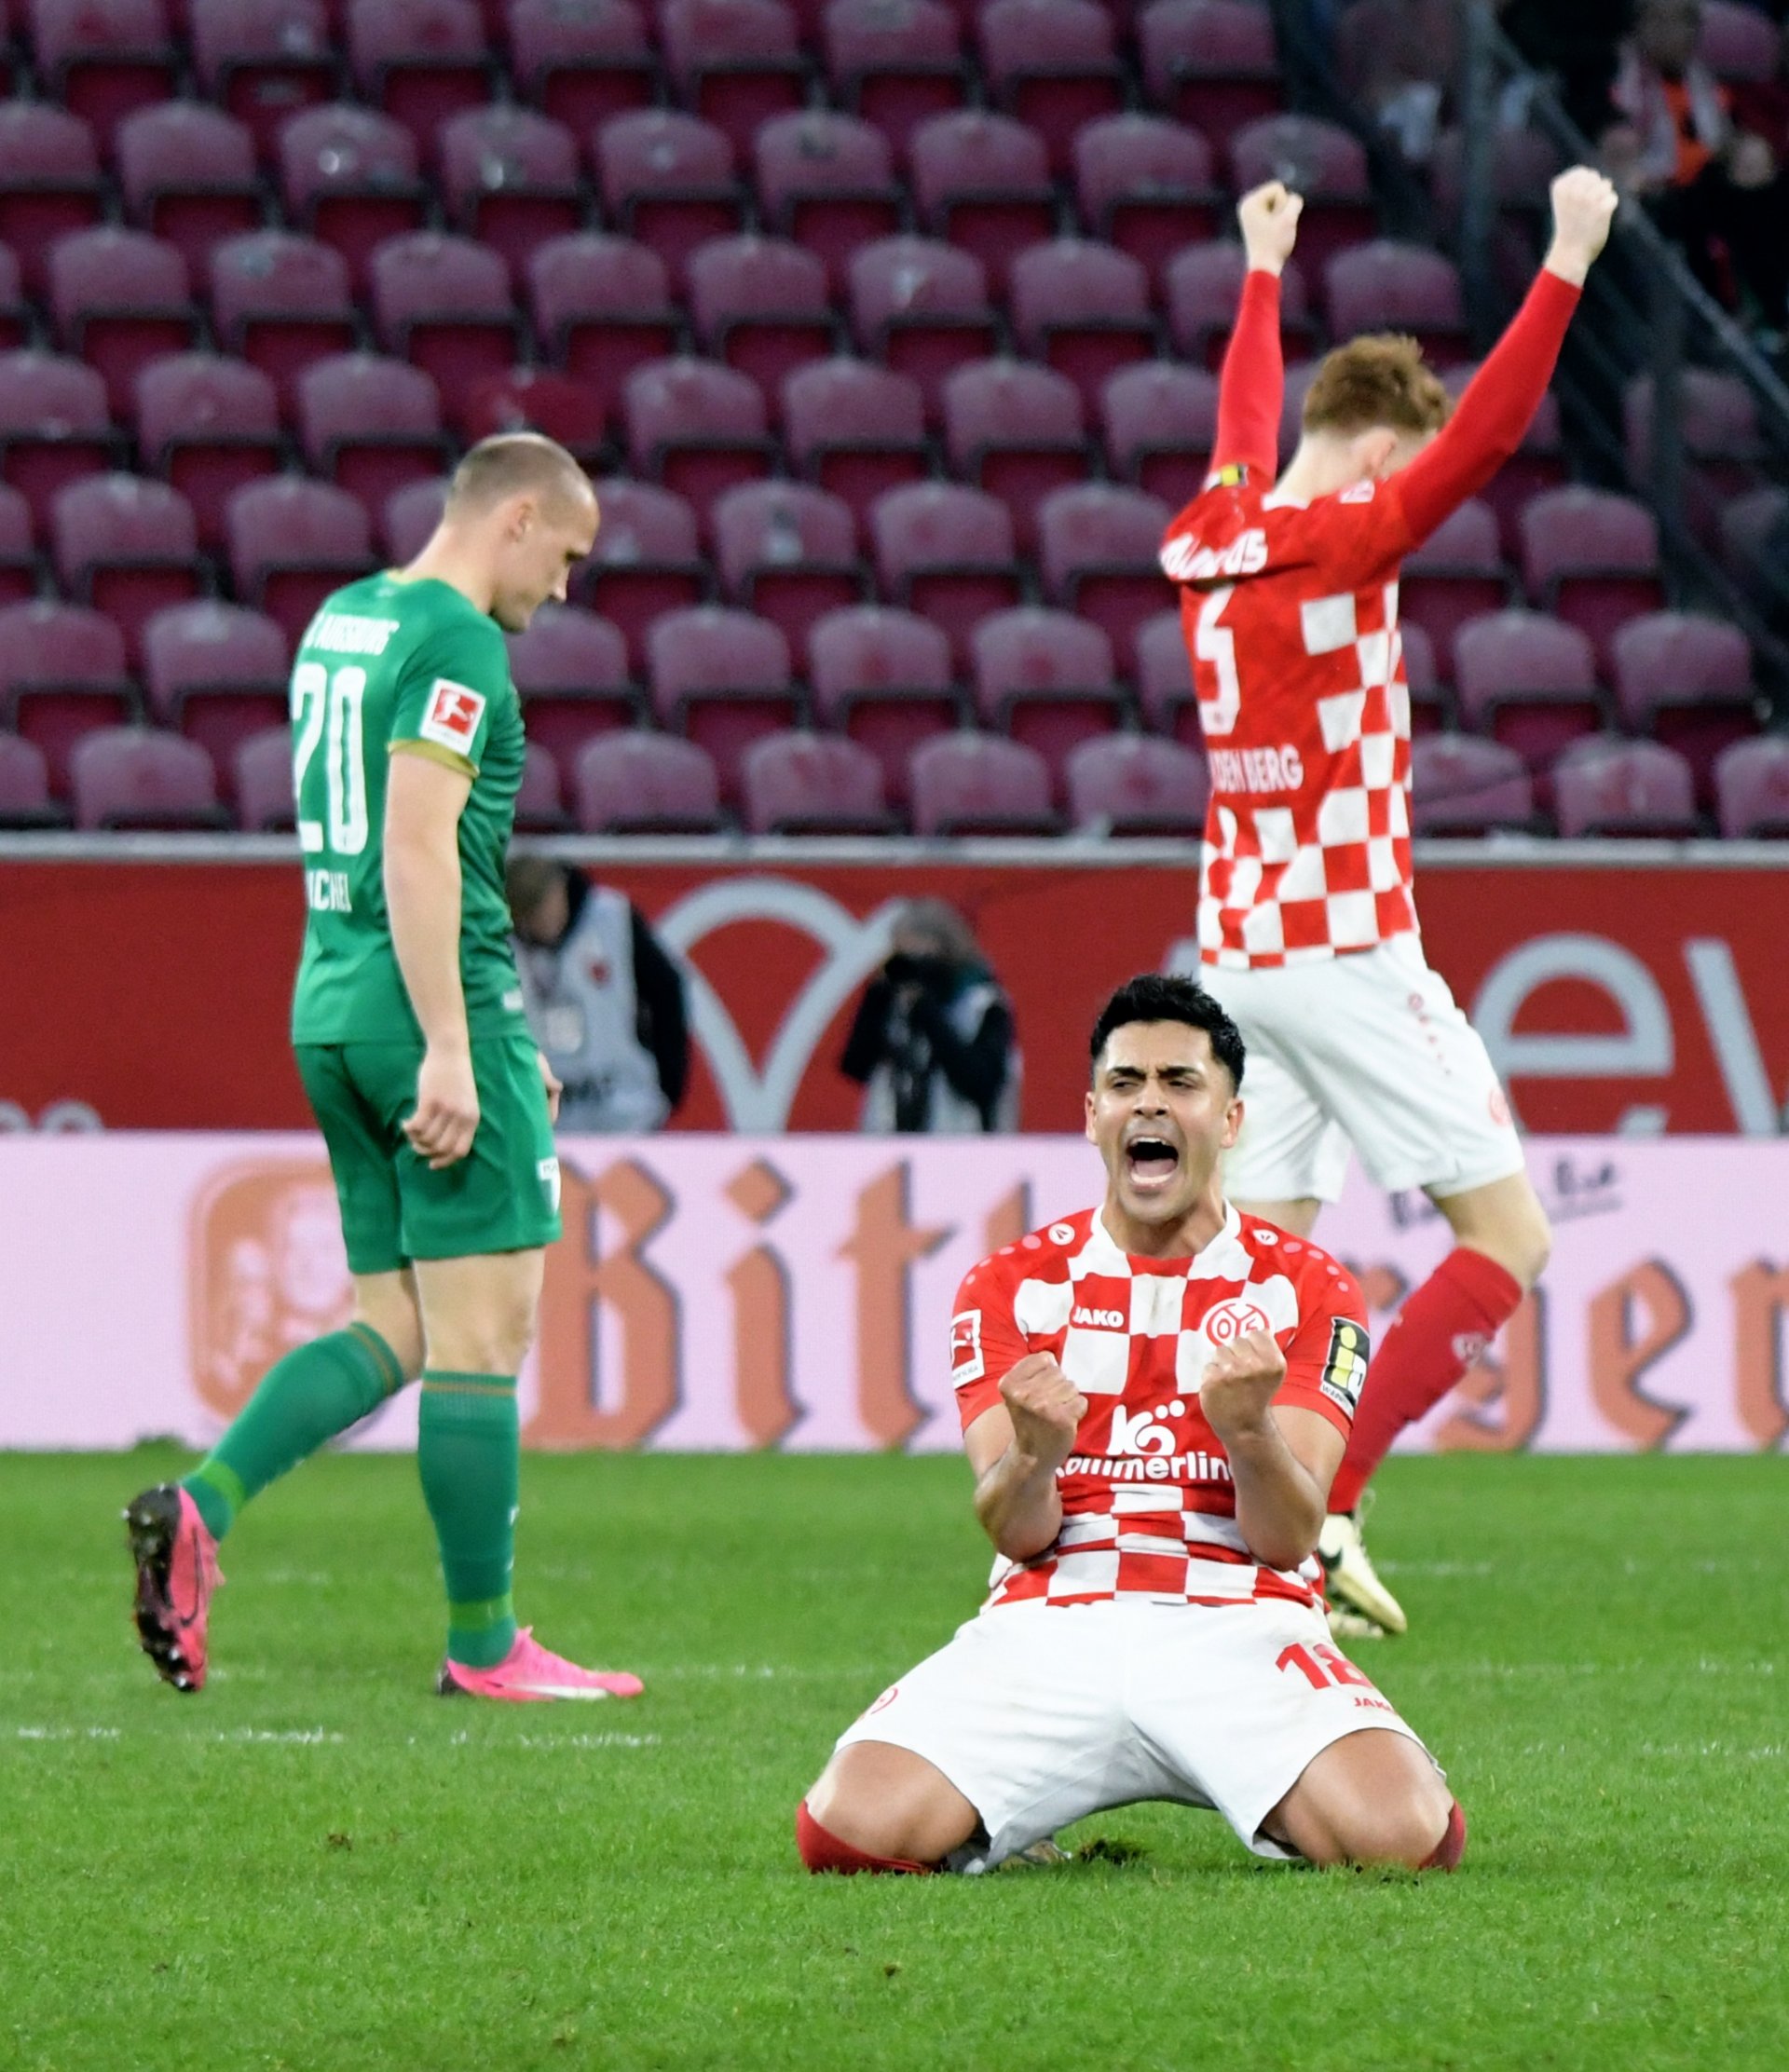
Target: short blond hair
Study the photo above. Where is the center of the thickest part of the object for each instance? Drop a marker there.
(510, 464)
(1382, 380)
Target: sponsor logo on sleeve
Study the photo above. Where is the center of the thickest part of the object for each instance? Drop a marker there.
(1345, 1368)
(966, 1361)
(453, 715)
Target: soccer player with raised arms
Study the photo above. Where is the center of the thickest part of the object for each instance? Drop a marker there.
(1307, 928)
(1154, 1395)
(434, 1104)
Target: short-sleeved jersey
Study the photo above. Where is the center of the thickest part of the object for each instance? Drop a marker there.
(389, 664)
(1291, 613)
(1148, 1505)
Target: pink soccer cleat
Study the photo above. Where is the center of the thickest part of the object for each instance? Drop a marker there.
(528, 1672)
(177, 1571)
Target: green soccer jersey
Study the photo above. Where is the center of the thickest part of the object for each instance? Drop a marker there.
(388, 664)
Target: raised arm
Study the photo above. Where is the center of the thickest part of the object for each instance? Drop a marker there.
(1251, 386)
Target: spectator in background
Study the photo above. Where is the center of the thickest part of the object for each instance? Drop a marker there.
(1400, 60)
(933, 1044)
(605, 1002)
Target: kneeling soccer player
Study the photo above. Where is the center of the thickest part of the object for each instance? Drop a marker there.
(1154, 1395)
(415, 1052)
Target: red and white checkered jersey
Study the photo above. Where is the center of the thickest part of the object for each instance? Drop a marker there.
(1147, 1507)
(1291, 622)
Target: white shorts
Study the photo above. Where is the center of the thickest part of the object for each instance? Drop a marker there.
(1041, 1715)
(1367, 1050)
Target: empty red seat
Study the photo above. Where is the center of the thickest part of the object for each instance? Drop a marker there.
(827, 181)
(263, 60)
(370, 425)
(582, 64)
(1751, 788)
(1537, 464)
(50, 180)
(722, 679)
(1136, 784)
(18, 549)
(62, 675)
(921, 307)
(120, 298)
(643, 783)
(1098, 546)
(947, 552)
(187, 175)
(1455, 575)
(1083, 308)
(262, 770)
(540, 804)
(696, 427)
(571, 670)
(1591, 558)
(895, 62)
(508, 178)
(856, 430)
(1017, 431)
(602, 308)
(1422, 679)
(883, 677)
(25, 788)
(16, 323)
(1383, 285)
(1462, 785)
(647, 560)
(349, 179)
(444, 304)
(979, 784)
(54, 425)
(1736, 42)
(104, 62)
(982, 181)
(1750, 525)
(1686, 679)
(1320, 160)
(735, 62)
(1164, 680)
(789, 551)
(1528, 680)
(409, 518)
(1623, 787)
(421, 62)
(667, 179)
(534, 399)
(1202, 289)
(1052, 64)
(217, 673)
(281, 303)
(140, 777)
(127, 545)
(1210, 63)
(760, 304)
(291, 542)
(1044, 677)
(807, 783)
(1160, 421)
(1147, 186)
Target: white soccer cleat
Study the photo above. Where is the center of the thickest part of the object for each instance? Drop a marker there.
(1349, 1578)
(1351, 1626)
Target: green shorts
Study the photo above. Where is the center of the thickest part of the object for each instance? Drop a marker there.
(503, 1196)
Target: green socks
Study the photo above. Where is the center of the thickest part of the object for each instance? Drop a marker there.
(468, 1453)
(303, 1401)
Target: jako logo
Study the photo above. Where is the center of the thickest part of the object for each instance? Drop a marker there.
(1138, 1434)
(1102, 1319)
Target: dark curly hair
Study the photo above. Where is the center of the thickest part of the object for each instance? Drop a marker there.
(1161, 997)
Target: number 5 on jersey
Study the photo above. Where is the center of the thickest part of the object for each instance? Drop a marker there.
(326, 708)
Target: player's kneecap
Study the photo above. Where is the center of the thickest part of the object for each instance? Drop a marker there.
(822, 1851)
(1447, 1852)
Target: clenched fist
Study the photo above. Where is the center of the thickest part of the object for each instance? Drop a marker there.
(1238, 1383)
(1268, 218)
(1045, 1408)
(1584, 205)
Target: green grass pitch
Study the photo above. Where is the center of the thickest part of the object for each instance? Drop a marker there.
(317, 1865)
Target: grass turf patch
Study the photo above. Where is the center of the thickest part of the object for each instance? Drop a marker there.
(317, 1865)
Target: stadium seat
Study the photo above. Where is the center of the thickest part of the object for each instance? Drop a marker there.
(1082, 308)
(16, 323)
(1134, 784)
(1524, 163)
(1529, 681)
(539, 805)
(1147, 186)
(645, 784)
(291, 542)
(789, 551)
(207, 425)
(1159, 423)
(759, 304)
(444, 304)
(1455, 575)
(602, 308)
(856, 430)
(648, 561)
(1591, 558)
(895, 62)
(1210, 63)
(1202, 286)
(722, 678)
(1537, 464)
(120, 299)
(807, 783)
(982, 181)
(187, 175)
(1751, 526)
(1461, 786)
(1737, 42)
(534, 399)
(1623, 787)
(1016, 431)
(410, 517)
(1751, 788)
(1098, 546)
(1383, 285)
(1323, 162)
(370, 425)
(735, 64)
(54, 426)
(348, 178)
(1686, 680)
(1164, 680)
(1428, 705)
(62, 675)
(128, 546)
(508, 178)
(104, 62)
(1722, 449)
(264, 60)
(696, 427)
(947, 553)
(922, 308)
(826, 182)
(18, 550)
(884, 678)
(217, 673)
(571, 670)
(50, 182)
(25, 804)
(263, 786)
(667, 179)
(1052, 64)
(140, 777)
(1046, 679)
(582, 64)
(978, 785)
(281, 303)
(420, 62)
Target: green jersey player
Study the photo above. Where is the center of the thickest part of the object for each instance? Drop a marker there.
(436, 1108)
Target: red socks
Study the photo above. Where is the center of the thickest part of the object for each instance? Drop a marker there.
(821, 1852)
(1447, 1852)
(1438, 1334)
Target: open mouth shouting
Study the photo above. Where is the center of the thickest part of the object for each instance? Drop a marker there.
(1152, 1161)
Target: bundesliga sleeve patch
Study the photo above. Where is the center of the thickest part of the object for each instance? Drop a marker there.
(966, 1361)
(452, 716)
(1345, 1367)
